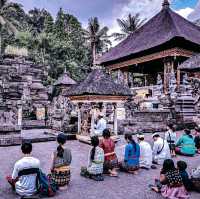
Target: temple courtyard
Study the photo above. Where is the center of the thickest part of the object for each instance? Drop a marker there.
(125, 186)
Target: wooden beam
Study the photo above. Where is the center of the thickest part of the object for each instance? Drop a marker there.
(97, 98)
(166, 53)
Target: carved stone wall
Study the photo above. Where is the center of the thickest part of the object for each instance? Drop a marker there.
(22, 79)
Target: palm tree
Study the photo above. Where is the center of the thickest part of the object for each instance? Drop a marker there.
(97, 37)
(128, 26)
(6, 20)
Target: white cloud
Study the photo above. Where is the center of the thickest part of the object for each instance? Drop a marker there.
(196, 13)
(146, 9)
(185, 12)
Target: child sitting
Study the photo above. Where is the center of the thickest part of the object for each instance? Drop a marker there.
(182, 166)
(170, 182)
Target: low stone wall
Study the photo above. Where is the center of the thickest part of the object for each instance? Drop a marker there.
(146, 121)
(33, 124)
(10, 136)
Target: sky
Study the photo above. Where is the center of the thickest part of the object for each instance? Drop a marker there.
(109, 10)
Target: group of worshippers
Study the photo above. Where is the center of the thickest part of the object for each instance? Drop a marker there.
(102, 159)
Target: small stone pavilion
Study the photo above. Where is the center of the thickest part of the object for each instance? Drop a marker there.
(154, 52)
(98, 93)
(60, 109)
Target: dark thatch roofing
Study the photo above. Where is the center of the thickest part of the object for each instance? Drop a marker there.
(64, 79)
(192, 63)
(162, 28)
(99, 83)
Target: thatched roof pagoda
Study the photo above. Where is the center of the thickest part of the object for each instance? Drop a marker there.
(64, 79)
(158, 47)
(99, 85)
(165, 30)
(97, 92)
(192, 64)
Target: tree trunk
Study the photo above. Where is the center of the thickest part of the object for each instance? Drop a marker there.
(94, 54)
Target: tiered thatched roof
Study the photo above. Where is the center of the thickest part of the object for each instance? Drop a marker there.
(99, 83)
(64, 79)
(167, 26)
(192, 64)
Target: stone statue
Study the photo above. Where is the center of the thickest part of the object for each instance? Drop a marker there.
(172, 84)
(159, 83)
(185, 79)
(9, 117)
(187, 88)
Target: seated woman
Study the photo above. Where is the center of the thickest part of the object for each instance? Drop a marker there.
(94, 170)
(171, 185)
(110, 158)
(60, 169)
(131, 157)
(186, 145)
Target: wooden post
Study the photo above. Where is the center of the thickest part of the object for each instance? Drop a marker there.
(92, 120)
(178, 79)
(79, 118)
(165, 78)
(115, 119)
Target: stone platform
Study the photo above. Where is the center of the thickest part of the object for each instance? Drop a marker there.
(10, 135)
(125, 186)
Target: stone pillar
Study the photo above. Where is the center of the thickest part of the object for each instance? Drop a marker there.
(79, 118)
(19, 118)
(115, 119)
(119, 76)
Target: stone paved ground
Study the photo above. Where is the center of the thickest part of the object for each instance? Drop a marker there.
(125, 186)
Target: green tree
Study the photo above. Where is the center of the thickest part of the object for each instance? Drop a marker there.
(97, 37)
(68, 48)
(128, 26)
(40, 20)
(8, 22)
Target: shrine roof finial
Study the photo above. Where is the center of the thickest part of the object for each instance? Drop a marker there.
(165, 4)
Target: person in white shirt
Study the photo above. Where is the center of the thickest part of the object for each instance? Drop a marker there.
(145, 153)
(161, 149)
(25, 184)
(100, 126)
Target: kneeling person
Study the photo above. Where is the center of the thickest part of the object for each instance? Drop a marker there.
(94, 170)
(111, 161)
(60, 170)
(145, 153)
(131, 156)
(161, 150)
(100, 126)
(24, 174)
